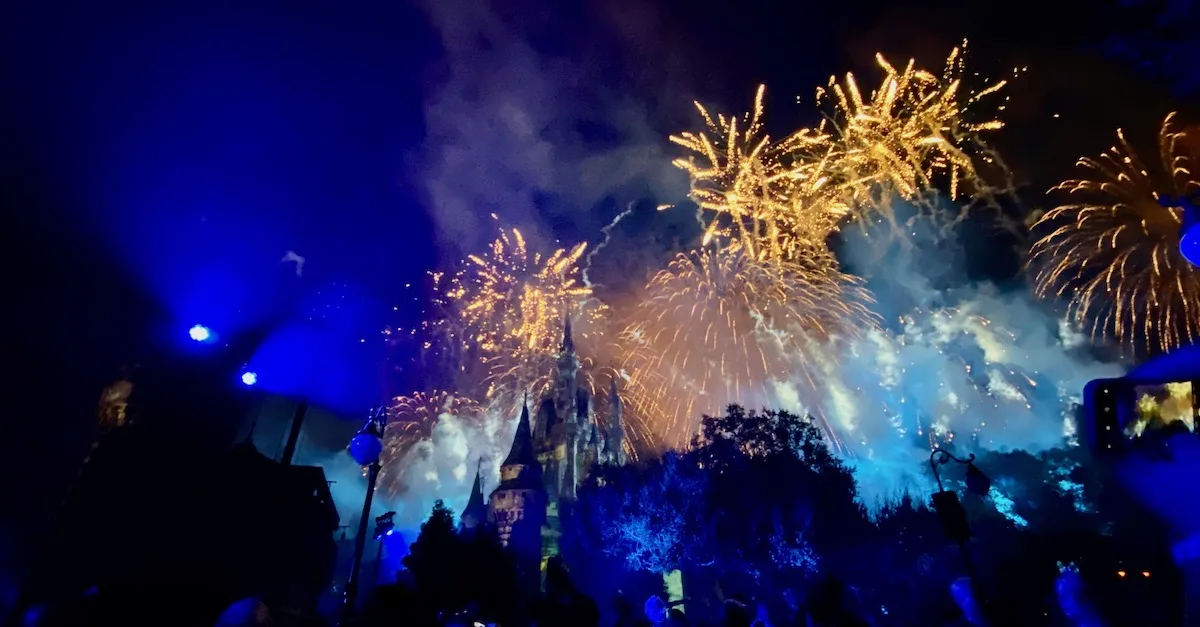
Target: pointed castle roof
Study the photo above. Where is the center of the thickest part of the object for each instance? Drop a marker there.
(476, 509)
(522, 453)
(521, 470)
(568, 342)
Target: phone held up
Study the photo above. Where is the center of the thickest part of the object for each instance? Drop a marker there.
(1127, 414)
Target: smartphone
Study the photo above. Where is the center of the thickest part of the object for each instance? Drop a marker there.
(1121, 414)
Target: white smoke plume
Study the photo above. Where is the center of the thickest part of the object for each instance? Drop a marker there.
(962, 364)
(536, 136)
(443, 466)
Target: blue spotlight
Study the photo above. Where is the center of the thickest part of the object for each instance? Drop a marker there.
(200, 333)
(249, 378)
(1189, 233)
(1189, 236)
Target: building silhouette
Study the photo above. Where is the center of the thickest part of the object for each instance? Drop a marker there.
(548, 460)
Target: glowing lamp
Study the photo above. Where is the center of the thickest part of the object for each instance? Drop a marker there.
(200, 333)
(249, 378)
(367, 445)
(1189, 235)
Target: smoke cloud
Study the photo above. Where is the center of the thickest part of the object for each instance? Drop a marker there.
(961, 363)
(527, 120)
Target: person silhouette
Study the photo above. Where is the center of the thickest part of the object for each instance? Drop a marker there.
(1162, 481)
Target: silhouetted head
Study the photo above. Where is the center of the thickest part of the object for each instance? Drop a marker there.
(676, 618)
(557, 579)
(736, 614)
(825, 598)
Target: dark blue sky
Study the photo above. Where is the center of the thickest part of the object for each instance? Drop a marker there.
(159, 159)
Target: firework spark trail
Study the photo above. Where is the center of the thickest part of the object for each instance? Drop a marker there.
(1114, 254)
(913, 133)
(783, 198)
(719, 325)
(761, 200)
(511, 304)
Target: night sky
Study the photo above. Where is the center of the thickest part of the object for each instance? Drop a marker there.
(158, 162)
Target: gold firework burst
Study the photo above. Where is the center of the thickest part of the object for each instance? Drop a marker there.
(911, 134)
(719, 325)
(1113, 255)
(762, 197)
(510, 305)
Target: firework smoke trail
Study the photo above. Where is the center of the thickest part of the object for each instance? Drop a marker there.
(1114, 254)
(606, 232)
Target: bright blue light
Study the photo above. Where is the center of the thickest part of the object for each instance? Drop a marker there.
(366, 448)
(1189, 243)
(249, 378)
(200, 333)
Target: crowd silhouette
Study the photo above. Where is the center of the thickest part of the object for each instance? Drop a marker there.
(761, 524)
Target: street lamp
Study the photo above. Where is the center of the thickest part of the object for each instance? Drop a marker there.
(949, 510)
(365, 447)
(385, 525)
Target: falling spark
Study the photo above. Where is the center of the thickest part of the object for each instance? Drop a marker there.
(1113, 255)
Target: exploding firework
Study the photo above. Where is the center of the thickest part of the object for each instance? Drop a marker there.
(760, 195)
(411, 420)
(912, 134)
(507, 309)
(1114, 254)
(719, 325)
(783, 198)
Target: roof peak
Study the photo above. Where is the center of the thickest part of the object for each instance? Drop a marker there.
(522, 446)
(568, 342)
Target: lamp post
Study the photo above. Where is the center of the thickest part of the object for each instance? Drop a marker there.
(365, 447)
(949, 510)
(384, 525)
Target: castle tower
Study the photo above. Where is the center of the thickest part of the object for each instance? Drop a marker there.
(476, 512)
(566, 432)
(615, 440)
(517, 507)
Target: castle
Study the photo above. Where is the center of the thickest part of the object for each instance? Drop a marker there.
(548, 460)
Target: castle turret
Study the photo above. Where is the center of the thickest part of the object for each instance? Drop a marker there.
(520, 499)
(568, 371)
(615, 440)
(476, 512)
(565, 435)
(568, 342)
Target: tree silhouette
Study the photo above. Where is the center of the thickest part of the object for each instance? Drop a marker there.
(435, 563)
(757, 504)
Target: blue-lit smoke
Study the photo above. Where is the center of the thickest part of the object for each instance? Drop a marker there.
(957, 362)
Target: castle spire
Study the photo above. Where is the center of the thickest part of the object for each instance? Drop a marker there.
(615, 442)
(522, 453)
(568, 342)
(475, 512)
